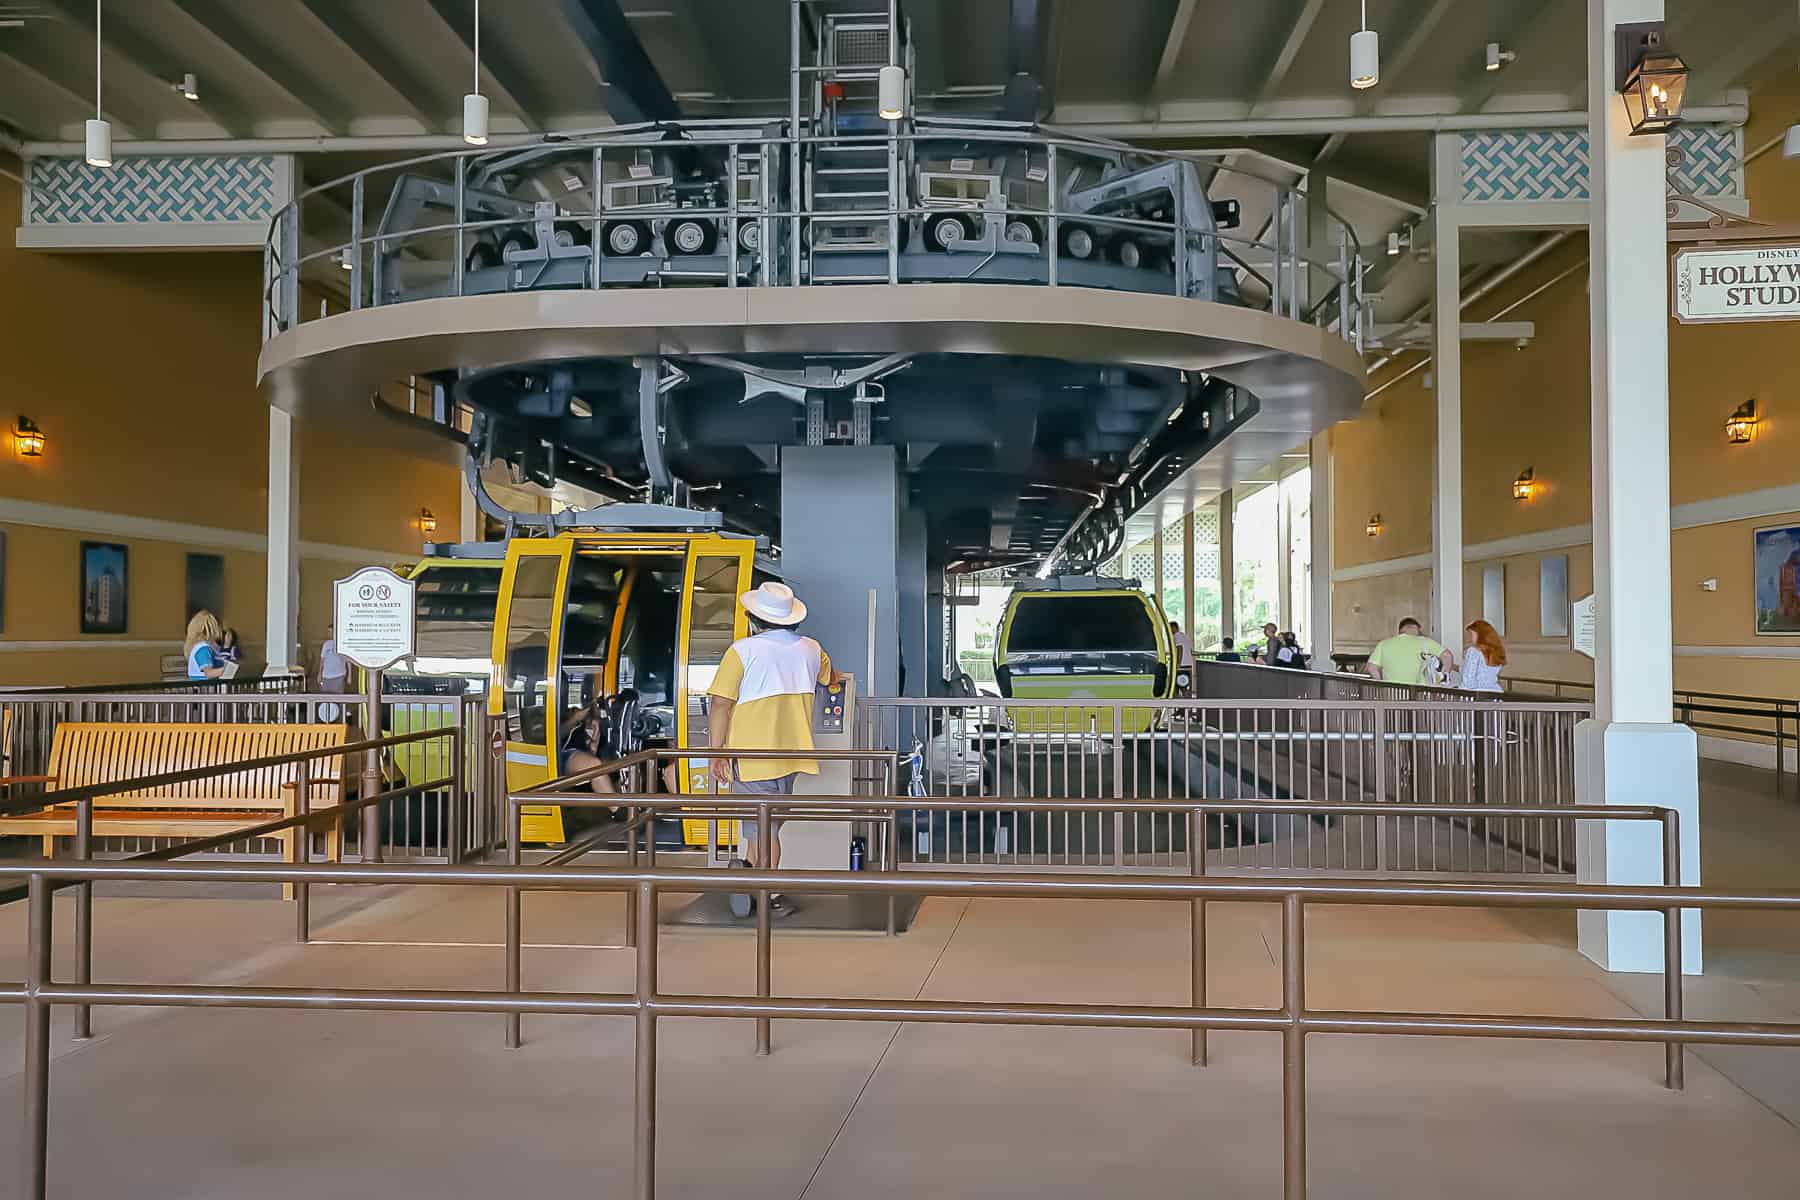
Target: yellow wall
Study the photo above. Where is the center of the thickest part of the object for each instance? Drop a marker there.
(141, 371)
(1530, 407)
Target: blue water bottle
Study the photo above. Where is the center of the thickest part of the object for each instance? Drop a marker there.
(859, 853)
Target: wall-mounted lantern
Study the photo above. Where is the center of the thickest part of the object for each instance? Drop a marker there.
(1373, 528)
(1525, 485)
(1740, 426)
(28, 439)
(1652, 80)
(427, 521)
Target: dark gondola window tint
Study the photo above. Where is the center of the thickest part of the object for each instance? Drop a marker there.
(1080, 623)
(456, 612)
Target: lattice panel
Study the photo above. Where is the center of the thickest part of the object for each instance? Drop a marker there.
(153, 189)
(1524, 165)
(1514, 166)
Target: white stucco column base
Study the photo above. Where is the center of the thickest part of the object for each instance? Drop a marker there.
(1636, 763)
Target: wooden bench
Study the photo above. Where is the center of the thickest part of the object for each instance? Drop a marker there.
(86, 753)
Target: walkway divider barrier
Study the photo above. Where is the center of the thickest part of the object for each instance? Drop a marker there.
(646, 1003)
(1445, 751)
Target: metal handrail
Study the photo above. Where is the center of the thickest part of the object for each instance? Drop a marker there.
(1344, 267)
(646, 1003)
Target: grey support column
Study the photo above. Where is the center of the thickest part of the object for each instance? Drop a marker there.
(1227, 566)
(840, 539)
(282, 632)
(921, 669)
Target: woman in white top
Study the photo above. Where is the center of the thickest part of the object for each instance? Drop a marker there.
(1481, 664)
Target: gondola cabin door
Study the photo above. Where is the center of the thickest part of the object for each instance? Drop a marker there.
(587, 617)
(525, 656)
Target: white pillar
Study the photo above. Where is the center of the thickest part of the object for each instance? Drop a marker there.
(1156, 567)
(1322, 556)
(1284, 558)
(1187, 578)
(1446, 368)
(1227, 565)
(1631, 752)
(283, 631)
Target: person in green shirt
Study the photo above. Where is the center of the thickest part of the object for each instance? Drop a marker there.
(1402, 658)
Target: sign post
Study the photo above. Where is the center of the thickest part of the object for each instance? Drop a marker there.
(372, 612)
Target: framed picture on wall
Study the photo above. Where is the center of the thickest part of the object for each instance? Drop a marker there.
(105, 584)
(205, 584)
(1776, 558)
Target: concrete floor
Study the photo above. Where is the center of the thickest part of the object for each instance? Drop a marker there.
(191, 1103)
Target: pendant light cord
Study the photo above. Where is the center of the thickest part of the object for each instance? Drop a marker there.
(97, 115)
(1365, 14)
(478, 44)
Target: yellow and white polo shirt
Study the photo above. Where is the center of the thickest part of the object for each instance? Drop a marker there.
(770, 678)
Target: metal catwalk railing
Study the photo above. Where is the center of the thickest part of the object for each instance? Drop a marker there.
(416, 827)
(1446, 752)
(647, 1003)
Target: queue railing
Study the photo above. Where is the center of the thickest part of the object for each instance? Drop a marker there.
(1446, 751)
(416, 827)
(1757, 719)
(647, 1003)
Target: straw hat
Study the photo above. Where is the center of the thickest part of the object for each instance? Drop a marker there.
(774, 604)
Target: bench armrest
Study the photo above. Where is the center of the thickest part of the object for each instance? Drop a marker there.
(9, 780)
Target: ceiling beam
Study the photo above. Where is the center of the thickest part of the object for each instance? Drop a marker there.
(1172, 46)
(1283, 62)
(503, 76)
(221, 25)
(341, 22)
(1527, 34)
(633, 89)
(1394, 69)
(82, 102)
(126, 48)
(1025, 96)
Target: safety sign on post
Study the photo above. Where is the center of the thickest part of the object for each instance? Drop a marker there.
(372, 611)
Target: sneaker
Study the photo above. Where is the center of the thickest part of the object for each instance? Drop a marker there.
(743, 904)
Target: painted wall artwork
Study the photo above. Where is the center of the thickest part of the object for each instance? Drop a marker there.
(104, 585)
(1778, 581)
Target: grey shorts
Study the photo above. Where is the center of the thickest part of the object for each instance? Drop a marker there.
(781, 785)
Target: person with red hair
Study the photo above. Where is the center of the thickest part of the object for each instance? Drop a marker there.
(1486, 655)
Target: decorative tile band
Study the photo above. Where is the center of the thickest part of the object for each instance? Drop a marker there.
(153, 189)
(1539, 165)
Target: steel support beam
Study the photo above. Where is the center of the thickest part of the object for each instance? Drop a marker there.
(341, 22)
(1283, 62)
(634, 89)
(1025, 96)
(501, 74)
(224, 25)
(125, 47)
(1179, 21)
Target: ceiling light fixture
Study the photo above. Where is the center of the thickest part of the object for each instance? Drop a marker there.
(475, 105)
(1365, 54)
(891, 87)
(98, 133)
(1498, 58)
(188, 87)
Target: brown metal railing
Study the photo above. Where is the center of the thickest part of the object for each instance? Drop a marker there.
(303, 823)
(417, 827)
(646, 1004)
(1772, 718)
(1456, 750)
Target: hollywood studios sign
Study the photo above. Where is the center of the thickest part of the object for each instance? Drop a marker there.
(1748, 283)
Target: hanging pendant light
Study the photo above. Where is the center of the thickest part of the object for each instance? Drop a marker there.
(98, 131)
(890, 83)
(475, 105)
(1365, 54)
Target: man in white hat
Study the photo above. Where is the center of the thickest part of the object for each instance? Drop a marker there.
(762, 699)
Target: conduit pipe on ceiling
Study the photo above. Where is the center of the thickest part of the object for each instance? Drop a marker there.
(1733, 114)
(1727, 114)
(1507, 272)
